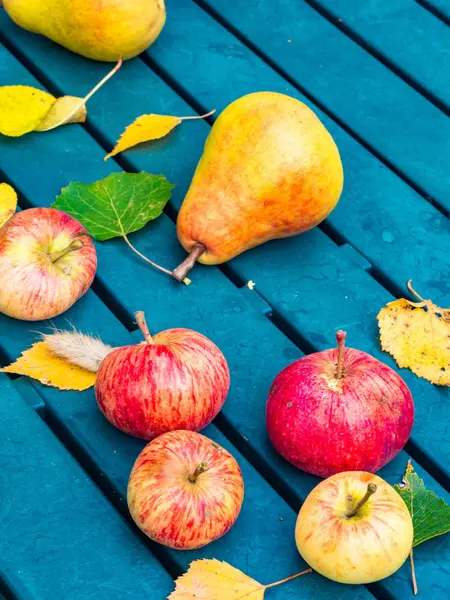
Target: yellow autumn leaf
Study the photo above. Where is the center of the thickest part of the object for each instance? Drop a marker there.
(8, 203)
(60, 109)
(40, 363)
(211, 579)
(24, 109)
(147, 128)
(417, 334)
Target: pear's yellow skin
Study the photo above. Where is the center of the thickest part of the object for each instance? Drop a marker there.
(269, 170)
(100, 29)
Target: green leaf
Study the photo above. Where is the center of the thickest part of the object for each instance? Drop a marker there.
(117, 205)
(430, 514)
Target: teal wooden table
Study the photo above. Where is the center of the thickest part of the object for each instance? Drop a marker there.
(377, 74)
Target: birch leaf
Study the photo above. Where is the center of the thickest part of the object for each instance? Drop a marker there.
(417, 334)
(430, 514)
(147, 128)
(211, 579)
(8, 203)
(24, 109)
(40, 363)
(117, 205)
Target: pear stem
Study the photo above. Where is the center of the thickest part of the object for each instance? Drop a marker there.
(76, 245)
(201, 468)
(371, 489)
(185, 280)
(287, 579)
(340, 338)
(182, 270)
(140, 320)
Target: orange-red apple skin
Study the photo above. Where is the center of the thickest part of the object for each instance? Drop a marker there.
(171, 509)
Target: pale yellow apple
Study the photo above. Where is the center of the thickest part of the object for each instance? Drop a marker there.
(355, 548)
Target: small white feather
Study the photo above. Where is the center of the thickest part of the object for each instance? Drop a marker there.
(78, 348)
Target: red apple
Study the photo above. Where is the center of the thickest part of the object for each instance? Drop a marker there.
(354, 528)
(45, 264)
(177, 379)
(185, 491)
(339, 410)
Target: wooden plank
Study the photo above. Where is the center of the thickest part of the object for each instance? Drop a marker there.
(438, 7)
(398, 218)
(378, 213)
(368, 98)
(56, 524)
(75, 415)
(257, 543)
(405, 34)
(254, 348)
(313, 249)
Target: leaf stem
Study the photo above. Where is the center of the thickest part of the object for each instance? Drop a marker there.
(211, 112)
(186, 280)
(86, 98)
(287, 579)
(413, 573)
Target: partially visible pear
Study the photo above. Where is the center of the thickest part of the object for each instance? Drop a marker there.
(269, 170)
(100, 29)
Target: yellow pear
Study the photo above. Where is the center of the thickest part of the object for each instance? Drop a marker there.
(269, 170)
(100, 29)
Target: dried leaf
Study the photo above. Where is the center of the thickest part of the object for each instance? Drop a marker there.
(430, 514)
(211, 579)
(8, 203)
(24, 109)
(417, 334)
(147, 128)
(59, 111)
(40, 363)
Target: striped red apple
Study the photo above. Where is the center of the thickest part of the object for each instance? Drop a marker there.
(185, 490)
(177, 379)
(46, 264)
(339, 410)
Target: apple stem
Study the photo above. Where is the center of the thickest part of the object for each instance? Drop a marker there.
(413, 573)
(76, 245)
(140, 320)
(201, 468)
(287, 579)
(349, 504)
(371, 489)
(182, 270)
(340, 338)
